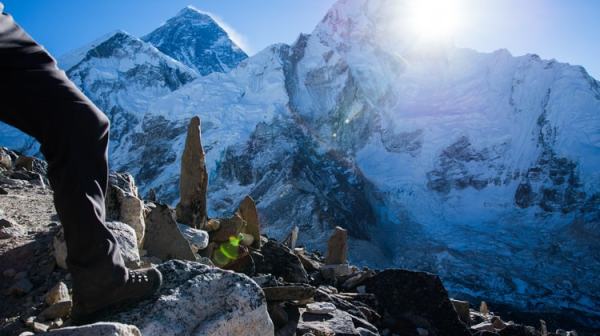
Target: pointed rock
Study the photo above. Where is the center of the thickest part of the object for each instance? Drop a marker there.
(337, 247)
(193, 181)
(163, 238)
(247, 211)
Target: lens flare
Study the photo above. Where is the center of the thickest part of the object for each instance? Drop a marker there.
(435, 19)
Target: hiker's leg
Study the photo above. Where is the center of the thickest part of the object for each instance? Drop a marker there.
(38, 98)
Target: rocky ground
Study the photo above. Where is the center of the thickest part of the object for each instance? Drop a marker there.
(222, 277)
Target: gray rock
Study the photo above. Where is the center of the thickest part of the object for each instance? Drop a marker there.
(200, 300)
(320, 307)
(124, 234)
(163, 238)
(198, 239)
(193, 181)
(98, 329)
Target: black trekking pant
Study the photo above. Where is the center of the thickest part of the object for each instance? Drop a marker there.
(38, 98)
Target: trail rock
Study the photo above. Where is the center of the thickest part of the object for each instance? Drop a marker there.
(198, 239)
(123, 233)
(247, 211)
(281, 262)
(200, 300)
(337, 247)
(193, 181)
(98, 329)
(410, 298)
(122, 203)
(163, 238)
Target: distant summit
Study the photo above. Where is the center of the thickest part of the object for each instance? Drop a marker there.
(198, 41)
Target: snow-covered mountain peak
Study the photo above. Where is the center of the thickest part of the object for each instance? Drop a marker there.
(194, 38)
(193, 15)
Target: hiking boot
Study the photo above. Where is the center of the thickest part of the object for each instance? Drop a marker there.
(141, 284)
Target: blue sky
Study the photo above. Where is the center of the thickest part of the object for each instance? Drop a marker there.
(567, 30)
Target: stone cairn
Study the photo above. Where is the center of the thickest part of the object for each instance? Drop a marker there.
(193, 181)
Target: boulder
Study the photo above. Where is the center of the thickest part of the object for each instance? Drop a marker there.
(247, 211)
(193, 181)
(337, 247)
(98, 329)
(198, 239)
(123, 205)
(281, 262)
(201, 300)
(124, 234)
(163, 238)
(416, 299)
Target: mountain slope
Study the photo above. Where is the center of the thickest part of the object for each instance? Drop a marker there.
(195, 39)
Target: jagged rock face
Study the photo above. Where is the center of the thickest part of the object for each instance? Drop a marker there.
(195, 39)
(200, 300)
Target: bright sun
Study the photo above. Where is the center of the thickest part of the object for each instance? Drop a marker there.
(435, 19)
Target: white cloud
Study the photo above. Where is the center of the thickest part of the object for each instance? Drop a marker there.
(234, 35)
